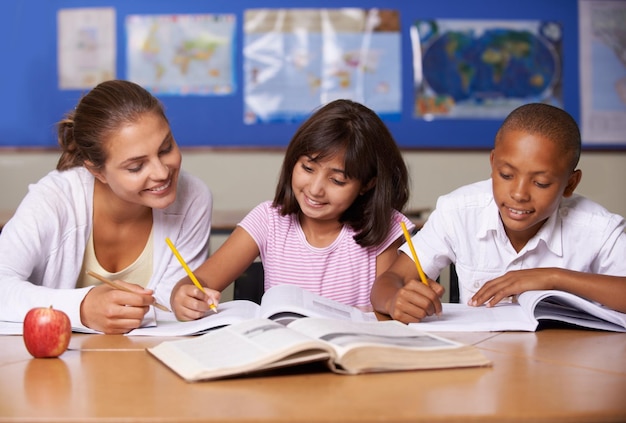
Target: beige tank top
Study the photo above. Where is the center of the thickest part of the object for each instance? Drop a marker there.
(138, 272)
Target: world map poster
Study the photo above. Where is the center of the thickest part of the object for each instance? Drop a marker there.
(296, 60)
(483, 69)
(182, 54)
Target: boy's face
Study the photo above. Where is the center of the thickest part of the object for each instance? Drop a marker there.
(530, 174)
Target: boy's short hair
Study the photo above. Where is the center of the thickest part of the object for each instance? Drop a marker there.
(547, 121)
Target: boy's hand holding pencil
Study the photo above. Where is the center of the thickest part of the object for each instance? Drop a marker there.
(418, 298)
(409, 241)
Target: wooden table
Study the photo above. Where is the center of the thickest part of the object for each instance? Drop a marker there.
(554, 375)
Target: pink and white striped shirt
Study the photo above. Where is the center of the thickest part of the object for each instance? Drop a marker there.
(343, 271)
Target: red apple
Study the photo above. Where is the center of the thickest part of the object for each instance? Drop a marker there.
(47, 332)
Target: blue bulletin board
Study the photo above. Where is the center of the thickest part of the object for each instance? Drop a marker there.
(33, 103)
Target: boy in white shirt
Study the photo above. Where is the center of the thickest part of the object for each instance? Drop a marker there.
(524, 229)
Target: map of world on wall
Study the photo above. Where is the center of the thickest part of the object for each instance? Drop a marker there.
(474, 70)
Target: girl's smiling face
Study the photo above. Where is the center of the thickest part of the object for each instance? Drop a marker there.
(530, 175)
(143, 163)
(321, 187)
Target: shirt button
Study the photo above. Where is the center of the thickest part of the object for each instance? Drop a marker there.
(476, 284)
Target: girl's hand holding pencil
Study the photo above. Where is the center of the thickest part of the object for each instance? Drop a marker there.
(188, 302)
(213, 296)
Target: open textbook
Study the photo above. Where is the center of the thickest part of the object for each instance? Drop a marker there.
(346, 346)
(11, 328)
(279, 302)
(282, 302)
(525, 315)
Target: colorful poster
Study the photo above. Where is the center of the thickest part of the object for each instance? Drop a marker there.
(182, 54)
(603, 71)
(296, 60)
(484, 69)
(85, 47)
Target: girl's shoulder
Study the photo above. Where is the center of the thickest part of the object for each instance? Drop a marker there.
(266, 211)
(265, 222)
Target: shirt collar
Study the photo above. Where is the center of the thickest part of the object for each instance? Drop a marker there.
(550, 233)
(491, 222)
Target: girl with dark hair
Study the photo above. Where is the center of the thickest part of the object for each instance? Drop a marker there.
(334, 222)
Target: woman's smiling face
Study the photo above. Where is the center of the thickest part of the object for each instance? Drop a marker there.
(143, 163)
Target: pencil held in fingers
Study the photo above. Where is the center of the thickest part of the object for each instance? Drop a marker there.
(193, 278)
(210, 301)
(115, 285)
(409, 241)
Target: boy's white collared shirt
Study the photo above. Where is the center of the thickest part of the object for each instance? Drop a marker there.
(465, 229)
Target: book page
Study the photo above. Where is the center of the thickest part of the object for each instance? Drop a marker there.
(567, 307)
(11, 328)
(363, 347)
(344, 335)
(297, 302)
(17, 328)
(239, 348)
(533, 306)
(464, 318)
(227, 313)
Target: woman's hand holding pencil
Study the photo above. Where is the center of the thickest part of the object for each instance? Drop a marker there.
(115, 285)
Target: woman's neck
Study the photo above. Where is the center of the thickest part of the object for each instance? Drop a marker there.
(110, 206)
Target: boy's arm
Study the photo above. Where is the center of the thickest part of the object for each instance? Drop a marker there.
(604, 289)
(399, 293)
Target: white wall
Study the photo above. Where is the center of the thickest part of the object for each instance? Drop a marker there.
(241, 180)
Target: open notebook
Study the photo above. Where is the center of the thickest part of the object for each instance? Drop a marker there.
(525, 315)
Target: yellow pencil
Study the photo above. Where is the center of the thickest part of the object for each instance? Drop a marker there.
(188, 270)
(115, 285)
(409, 241)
